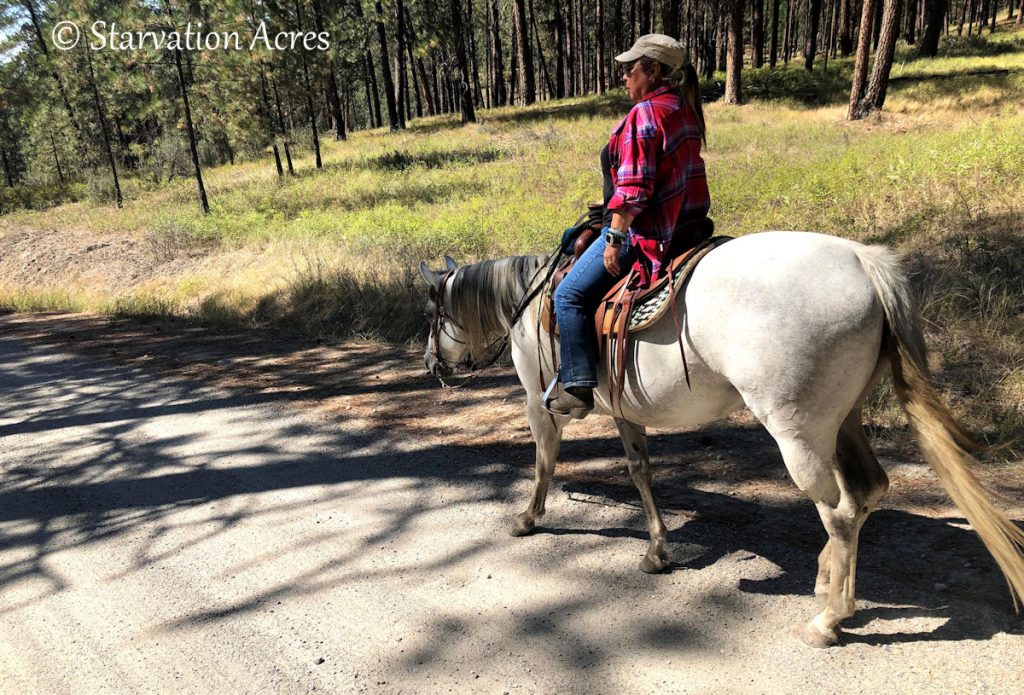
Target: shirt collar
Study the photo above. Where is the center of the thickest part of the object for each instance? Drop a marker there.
(658, 92)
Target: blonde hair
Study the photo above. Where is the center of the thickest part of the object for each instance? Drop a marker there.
(685, 79)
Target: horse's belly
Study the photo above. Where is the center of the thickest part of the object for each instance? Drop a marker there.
(656, 393)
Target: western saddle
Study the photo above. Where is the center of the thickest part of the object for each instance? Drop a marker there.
(626, 308)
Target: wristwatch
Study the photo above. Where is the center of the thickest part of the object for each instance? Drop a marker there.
(613, 237)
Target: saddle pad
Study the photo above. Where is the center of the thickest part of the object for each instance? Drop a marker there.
(650, 304)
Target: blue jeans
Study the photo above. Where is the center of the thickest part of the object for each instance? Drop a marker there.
(576, 300)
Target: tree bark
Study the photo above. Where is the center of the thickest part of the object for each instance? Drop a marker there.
(105, 131)
(734, 60)
(268, 119)
(846, 10)
(670, 17)
(385, 69)
(599, 66)
(934, 21)
(874, 98)
(56, 159)
(8, 174)
(403, 81)
(203, 202)
(540, 55)
(860, 66)
(332, 83)
(527, 87)
(280, 123)
(757, 33)
(500, 98)
(813, 24)
(466, 91)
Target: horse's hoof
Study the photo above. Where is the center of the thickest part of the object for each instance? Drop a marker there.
(653, 565)
(813, 637)
(522, 526)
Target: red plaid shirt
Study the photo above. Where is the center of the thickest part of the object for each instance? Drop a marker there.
(658, 172)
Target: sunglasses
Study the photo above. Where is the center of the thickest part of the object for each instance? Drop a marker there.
(627, 68)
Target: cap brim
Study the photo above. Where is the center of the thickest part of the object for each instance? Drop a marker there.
(629, 56)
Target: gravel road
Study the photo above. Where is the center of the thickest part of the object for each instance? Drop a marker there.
(160, 534)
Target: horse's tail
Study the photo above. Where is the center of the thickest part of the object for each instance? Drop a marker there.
(942, 440)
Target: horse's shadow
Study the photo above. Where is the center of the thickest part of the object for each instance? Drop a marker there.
(909, 565)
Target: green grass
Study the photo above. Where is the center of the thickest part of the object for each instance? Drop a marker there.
(939, 175)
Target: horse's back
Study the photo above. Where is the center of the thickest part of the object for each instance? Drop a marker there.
(790, 319)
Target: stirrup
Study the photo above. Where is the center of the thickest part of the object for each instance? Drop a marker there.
(577, 409)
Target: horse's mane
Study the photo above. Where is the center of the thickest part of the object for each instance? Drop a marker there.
(485, 295)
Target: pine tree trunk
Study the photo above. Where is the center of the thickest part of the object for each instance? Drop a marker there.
(402, 99)
(670, 18)
(934, 21)
(474, 60)
(527, 86)
(560, 53)
(280, 123)
(8, 174)
(105, 131)
(846, 10)
(540, 55)
(418, 83)
(203, 202)
(734, 60)
(497, 62)
(811, 41)
(757, 34)
(466, 91)
(874, 97)
(385, 69)
(599, 66)
(268, 119)
(786, 39)
(332, 83)
(860, 67)
(56, 159)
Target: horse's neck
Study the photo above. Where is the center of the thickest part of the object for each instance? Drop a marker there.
(510, 281)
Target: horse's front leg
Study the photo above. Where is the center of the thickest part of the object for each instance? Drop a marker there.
(634, 439)
(547, 434)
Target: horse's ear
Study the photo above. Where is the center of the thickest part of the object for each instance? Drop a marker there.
(429, 276)
(449, 263)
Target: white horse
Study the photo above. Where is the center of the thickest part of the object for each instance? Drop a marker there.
(798, 328)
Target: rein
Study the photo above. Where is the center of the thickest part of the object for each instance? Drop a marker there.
(440, 316)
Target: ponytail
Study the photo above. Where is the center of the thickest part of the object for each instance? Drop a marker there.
(690, 87)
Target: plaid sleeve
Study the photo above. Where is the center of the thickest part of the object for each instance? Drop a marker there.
(638, 162)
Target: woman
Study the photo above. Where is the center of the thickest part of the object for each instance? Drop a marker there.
(657, 187)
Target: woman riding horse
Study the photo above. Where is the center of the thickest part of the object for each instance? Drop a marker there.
(657, 187)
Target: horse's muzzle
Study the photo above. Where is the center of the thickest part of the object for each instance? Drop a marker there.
(434, 367)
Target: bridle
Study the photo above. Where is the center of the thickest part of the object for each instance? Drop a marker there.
(441, 317)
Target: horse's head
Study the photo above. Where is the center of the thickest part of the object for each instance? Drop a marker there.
(447, 347)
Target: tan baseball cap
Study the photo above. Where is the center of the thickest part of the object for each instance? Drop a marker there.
(660, 47)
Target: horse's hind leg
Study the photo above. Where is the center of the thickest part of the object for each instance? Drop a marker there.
(634, 439)
(867, 483)
(845, 485)
(547, 434)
